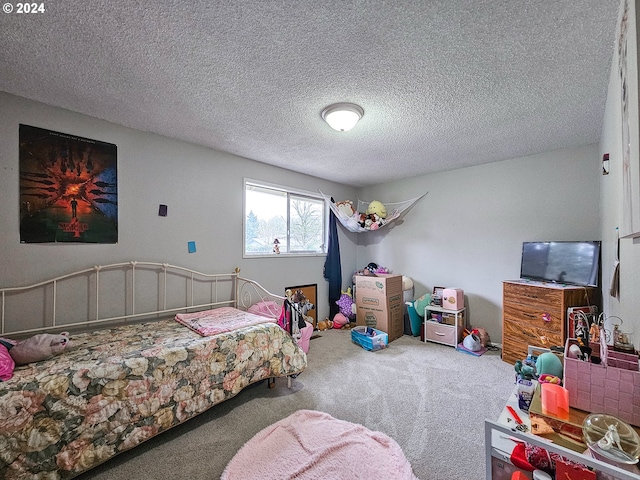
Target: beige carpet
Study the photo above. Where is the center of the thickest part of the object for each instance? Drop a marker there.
(430, 398)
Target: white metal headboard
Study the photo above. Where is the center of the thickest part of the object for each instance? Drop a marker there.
(138, 290)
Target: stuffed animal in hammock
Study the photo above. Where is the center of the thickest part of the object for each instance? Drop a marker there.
(39, 347)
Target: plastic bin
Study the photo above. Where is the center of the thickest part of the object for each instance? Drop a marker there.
(407, 297)
(416, 320)
(369, 338)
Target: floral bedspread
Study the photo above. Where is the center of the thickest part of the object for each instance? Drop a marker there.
(115, 388)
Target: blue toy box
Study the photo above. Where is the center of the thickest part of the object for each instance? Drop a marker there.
(369, 338)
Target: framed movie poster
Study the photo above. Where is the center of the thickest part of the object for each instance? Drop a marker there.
(68, 188)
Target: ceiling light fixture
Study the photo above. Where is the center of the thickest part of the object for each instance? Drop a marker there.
(342, 116)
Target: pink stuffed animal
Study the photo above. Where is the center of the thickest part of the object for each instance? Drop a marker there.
(7, 365)
(339, 320)
(39, 347)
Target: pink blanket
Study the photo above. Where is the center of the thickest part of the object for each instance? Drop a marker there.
(219, 320)
(310, 445)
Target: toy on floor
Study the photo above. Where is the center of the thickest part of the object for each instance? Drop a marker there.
(39, 347)
(471, 340)
(484, 337)
(346, 304)
(340, 321)
(325, 324)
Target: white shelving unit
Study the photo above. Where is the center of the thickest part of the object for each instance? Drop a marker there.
(501, 438)
(440, 332)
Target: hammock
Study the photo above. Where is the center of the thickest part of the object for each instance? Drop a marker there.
(351, 223)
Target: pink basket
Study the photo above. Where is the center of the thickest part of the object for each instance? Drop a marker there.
(604, 389)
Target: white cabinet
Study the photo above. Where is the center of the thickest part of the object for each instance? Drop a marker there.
(438, 332)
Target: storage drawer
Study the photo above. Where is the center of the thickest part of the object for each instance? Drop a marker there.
(531, 294)
(447, 334)
(517, 337)
(535, 316)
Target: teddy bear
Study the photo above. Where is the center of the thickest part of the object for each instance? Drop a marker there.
(325, 324)
(39, 347)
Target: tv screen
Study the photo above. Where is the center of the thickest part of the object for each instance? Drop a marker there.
(561, 262)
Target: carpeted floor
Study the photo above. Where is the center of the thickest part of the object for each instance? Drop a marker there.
(430, 398)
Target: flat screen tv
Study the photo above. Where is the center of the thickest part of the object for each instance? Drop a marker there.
(573, 263)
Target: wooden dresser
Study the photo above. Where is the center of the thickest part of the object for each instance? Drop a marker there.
(535, 314)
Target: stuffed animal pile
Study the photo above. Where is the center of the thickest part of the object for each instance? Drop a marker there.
(39, 347)
(372, 269)
(373, 218)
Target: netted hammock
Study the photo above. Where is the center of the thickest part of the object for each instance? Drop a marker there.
(353, 222)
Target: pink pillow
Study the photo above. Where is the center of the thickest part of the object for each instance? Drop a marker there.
(7, 365)
(267, 308)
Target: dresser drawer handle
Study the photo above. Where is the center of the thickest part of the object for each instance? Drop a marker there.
(440, 334)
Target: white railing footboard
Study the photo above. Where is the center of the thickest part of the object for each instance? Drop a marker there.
(121, 292)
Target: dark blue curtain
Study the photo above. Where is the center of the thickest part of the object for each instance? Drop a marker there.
(332, 267)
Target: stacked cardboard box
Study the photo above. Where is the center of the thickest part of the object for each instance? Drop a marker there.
(379, 303)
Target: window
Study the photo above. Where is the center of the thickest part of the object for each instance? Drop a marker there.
(295, 218)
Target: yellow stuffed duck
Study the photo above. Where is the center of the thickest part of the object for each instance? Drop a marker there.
(376, 207)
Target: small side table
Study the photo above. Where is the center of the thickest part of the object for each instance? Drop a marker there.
(441, 332)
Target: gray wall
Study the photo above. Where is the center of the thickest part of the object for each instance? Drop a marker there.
(468, 231)
(202, 188)
(627, 305)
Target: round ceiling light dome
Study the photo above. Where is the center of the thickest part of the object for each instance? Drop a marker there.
(342, 116)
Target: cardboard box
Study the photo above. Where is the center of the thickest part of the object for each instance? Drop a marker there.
(383, 313)
(381, 285)
(450, 318)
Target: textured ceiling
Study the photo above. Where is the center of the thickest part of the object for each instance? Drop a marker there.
(444, 84)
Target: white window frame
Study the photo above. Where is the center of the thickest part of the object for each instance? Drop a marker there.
(289, 191)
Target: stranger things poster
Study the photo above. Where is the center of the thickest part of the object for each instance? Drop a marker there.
(68, 188)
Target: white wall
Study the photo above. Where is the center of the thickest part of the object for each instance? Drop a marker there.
(202, 188)
(468, 231)
(627, 306)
